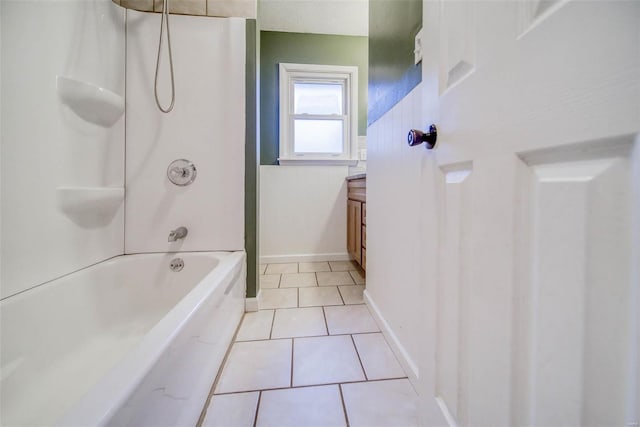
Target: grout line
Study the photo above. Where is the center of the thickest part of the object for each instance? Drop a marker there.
(304, 337)
(365, 333)
(273, 321)
(255, 418)
(280, 281)
(326, 324)
(315, 336)
(344, 405)
(326, 305)
(341, 297)
(314, 385)
(359, 358)
(280, 339)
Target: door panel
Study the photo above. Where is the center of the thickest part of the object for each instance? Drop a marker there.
(580, 284)
(458, 42)
(536, 297)
(452, 290)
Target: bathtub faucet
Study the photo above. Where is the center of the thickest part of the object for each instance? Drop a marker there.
(178, 233)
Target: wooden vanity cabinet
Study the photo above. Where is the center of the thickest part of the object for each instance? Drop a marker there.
(356, 219)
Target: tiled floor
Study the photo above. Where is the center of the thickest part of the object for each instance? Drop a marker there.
(312, 356)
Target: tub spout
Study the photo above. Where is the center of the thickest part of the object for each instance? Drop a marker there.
(178, 233)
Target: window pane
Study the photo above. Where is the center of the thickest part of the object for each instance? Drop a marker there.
(318, 98)
(318, 136)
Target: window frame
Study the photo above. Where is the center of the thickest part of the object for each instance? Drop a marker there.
(290, 74)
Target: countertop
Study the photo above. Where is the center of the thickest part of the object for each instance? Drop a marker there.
(357, 176)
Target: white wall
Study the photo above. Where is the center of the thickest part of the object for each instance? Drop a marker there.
(394, 220)
(303, 213)
(206, 126)
(46, 146)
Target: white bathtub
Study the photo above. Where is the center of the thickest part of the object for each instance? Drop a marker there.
(126, 342)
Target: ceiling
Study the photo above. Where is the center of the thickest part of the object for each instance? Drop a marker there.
(344, 17)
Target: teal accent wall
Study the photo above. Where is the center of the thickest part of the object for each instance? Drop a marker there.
(393, 26)
(298, 48)
(251, 160)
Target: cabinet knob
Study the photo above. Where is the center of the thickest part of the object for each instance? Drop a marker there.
(417, 137)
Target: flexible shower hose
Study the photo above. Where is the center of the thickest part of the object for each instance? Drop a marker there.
(163, 19)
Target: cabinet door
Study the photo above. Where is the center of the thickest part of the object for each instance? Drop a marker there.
(351, 231)
(354, 236)
(358, 229)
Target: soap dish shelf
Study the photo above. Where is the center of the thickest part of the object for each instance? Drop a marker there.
(90, 102)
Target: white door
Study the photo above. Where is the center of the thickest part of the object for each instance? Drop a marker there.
(537, 181)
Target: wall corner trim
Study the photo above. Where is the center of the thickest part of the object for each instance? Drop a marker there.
(252, 304)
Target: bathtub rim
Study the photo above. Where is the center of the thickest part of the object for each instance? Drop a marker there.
(109, 394)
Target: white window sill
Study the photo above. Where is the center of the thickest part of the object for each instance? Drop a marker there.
(324, 162)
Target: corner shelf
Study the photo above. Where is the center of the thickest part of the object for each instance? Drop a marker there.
(92, 103)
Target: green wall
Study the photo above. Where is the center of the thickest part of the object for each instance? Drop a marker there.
(393, 26)
(298, 48)
(251, 160)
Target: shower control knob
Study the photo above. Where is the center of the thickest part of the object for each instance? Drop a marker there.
(417, 137)
(181, 172)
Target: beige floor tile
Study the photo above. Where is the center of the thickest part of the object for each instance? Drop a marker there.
(352, 294)
(334, 278)
(256, 326)
(343, 265)
(350, 319)
(298, 280)
(312, 267)
(299, 322)
(297, 407)
(270, 281)
(278, 298)
(237, 410)
(325, 360)
(389, 403)
(377, 358)
(256, 365)
(291, 267)
(319, 296)
(262, 268)
(358, 277)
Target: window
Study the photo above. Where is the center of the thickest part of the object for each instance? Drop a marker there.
(318, 114)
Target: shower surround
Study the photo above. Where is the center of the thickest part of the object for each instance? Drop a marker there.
(78, 204)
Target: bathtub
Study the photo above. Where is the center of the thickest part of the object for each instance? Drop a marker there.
(127, 342)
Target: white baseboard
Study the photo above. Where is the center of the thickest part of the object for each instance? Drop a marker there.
(407, 363)
(274, 259)
(434, 411)
(252, 304)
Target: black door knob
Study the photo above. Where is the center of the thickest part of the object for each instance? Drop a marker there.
(417, 137)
